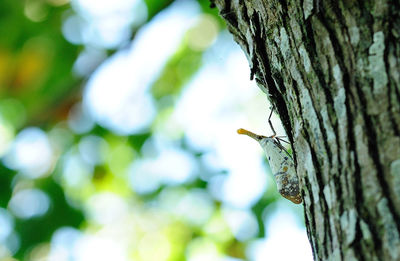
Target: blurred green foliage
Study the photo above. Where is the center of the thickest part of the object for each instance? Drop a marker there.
(38, 88)
(177, 72)
(36, 60)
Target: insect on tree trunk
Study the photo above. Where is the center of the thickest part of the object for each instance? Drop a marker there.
(332, 71)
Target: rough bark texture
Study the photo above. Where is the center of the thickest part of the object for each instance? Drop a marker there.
(332, 69)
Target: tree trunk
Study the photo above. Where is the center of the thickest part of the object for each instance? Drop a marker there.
(332, 70)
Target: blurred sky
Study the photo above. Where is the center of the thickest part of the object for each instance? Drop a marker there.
(217, 101)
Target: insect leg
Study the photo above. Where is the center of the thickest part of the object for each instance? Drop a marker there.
(270, 123)
(280, 139)
(282, 148)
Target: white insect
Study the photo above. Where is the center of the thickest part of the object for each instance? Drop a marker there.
(281, 163)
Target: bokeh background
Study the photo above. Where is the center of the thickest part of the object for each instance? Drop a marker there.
(118, 137)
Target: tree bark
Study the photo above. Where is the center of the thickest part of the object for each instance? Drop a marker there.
(332, 71)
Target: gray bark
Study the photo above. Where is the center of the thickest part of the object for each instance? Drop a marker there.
(332, 70)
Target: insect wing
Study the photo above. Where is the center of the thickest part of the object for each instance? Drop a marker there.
(282, 167)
